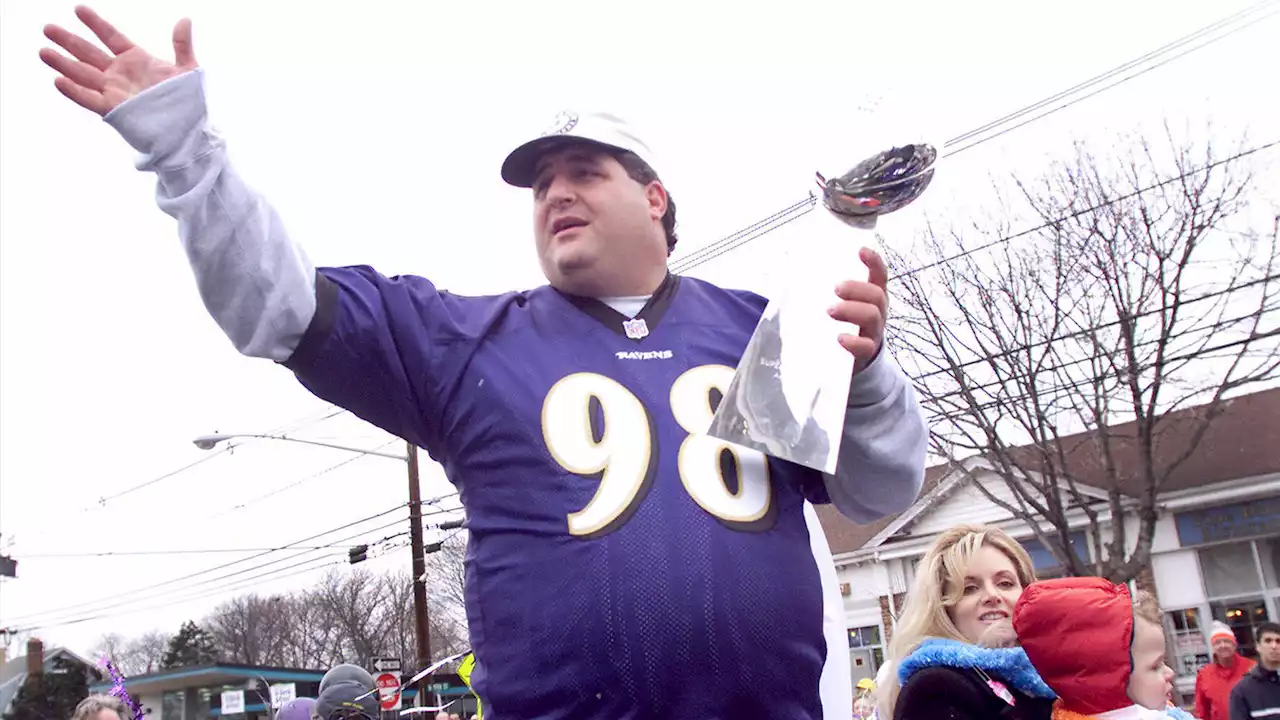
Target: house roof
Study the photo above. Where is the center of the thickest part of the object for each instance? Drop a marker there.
(217, 674)
(1243, 441)
(843, 535)
(13, 673)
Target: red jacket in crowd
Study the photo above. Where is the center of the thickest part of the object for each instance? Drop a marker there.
(1213, 687)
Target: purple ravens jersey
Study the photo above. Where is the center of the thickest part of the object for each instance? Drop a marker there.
(621, 563)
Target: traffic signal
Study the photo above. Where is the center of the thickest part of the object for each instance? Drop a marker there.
(359, 553)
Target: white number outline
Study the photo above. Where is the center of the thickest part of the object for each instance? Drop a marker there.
(568, 404)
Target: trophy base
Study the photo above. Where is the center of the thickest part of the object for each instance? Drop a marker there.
(789, 395)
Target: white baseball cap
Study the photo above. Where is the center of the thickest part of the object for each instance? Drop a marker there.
(596, 128)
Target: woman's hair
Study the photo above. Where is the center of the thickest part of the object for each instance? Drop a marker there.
(938, 585)
(89, 707)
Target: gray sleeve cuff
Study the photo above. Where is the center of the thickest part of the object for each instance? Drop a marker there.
(167, 123)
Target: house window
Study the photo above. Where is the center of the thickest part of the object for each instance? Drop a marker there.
(1045, 564)
(1187, 641)
(866, 651)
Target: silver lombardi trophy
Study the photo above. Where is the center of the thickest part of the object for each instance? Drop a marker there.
(791, 389)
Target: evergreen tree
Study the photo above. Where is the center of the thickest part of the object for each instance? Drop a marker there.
(192, 646)
(52, 695)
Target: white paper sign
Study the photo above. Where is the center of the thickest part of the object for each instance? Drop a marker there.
(283, 693)
(233, 702)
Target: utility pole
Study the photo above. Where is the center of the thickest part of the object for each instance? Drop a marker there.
(422, 627)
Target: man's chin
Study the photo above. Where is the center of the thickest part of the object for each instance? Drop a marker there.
(573, 274)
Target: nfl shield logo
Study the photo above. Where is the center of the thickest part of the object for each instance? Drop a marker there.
(636, 329)
(564, 122)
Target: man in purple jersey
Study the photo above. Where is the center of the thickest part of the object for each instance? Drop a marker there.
(621, 563)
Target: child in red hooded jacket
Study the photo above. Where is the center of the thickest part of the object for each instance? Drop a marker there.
(1102, 655)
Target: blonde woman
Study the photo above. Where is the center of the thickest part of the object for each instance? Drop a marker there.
(102, 707)
(952, 655)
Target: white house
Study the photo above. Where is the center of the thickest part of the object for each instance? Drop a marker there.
(15, 671)
(1216, 548)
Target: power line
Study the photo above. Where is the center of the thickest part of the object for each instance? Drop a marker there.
(60, 618)
(969, 411)
(1020, 377)
(726, 244)
(1102, 326)
(296, 483)
(240, 585)
(744, 240)
(741, 237)
(1095, 80)
(102, 501)
(1000, 241)
(204, 551)
(297, 424)
(145, 553)
(98, 607)
(329, 412)
(235, 585)
(695, 259)
(223, 566)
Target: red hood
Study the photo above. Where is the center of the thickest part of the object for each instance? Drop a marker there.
(1077, 633)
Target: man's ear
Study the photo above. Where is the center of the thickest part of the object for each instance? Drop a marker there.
(657, 197)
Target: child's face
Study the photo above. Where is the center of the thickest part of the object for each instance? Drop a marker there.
(1151, 680)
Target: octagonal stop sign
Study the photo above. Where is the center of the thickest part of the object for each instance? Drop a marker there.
(388, 690)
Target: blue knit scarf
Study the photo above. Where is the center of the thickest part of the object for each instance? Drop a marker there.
(1009, 664)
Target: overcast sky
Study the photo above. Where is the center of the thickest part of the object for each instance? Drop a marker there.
(377, 129)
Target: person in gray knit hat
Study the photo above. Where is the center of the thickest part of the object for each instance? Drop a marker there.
(347, 700)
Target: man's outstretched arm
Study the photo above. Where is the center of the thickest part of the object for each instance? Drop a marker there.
(258, 285)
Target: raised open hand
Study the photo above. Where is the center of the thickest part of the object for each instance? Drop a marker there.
(98, 81)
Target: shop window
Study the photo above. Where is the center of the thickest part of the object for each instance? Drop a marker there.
(173, 704)
(204, 702)
(1269, 559)
(1229, 570)
(1236, 576)
(1243, 617)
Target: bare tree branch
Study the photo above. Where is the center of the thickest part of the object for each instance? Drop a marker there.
(1062, 357)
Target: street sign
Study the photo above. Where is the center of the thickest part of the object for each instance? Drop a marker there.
(283, 693)
(233, 702)
(385, 665)
(388, 685)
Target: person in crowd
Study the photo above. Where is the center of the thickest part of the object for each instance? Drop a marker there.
(864, 703)
(1101, 650)
(102, 707)
(297, 709)
(347, 700)
(1215, 680)
(347, 672)
(1257, 695)
(571, 417)
(952, 653)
